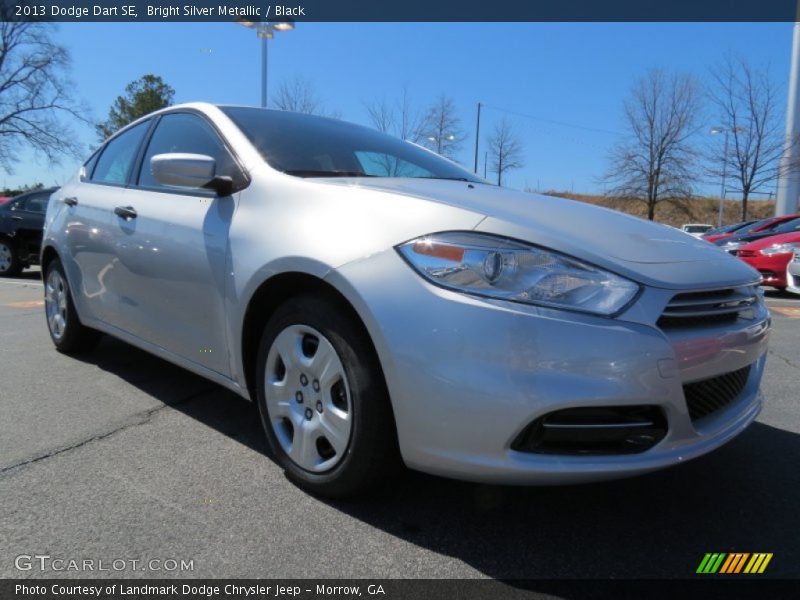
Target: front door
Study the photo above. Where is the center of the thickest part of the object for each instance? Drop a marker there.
(173, 251)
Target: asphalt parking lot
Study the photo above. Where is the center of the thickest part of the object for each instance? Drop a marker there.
(120, 455)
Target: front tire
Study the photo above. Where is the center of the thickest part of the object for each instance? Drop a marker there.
(10, 265)
(323, 400)
(69, 335)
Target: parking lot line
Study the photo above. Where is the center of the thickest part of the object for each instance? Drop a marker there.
(22, 283)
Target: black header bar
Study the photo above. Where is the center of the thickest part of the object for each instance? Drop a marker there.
(403, 10)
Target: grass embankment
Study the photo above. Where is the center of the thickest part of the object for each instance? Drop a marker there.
(678, 212)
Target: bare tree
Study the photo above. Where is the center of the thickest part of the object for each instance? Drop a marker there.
(442, 131)
(299, 95)
(748, 109)
(398, 118)
(382, 115)
(34, 94)
(656, 160)
(505, 149)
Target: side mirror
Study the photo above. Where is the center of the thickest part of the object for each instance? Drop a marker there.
(189, 170)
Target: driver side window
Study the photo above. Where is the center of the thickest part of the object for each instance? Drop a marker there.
(184, 132)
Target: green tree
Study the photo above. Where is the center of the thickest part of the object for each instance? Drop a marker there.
(143, 96)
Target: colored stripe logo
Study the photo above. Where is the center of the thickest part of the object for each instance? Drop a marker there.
(735, 562)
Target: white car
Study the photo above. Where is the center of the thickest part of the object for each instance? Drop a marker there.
(696, 229)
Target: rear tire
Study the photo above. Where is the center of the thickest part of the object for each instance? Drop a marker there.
(69, 335)
(10, 265)
(323, 400)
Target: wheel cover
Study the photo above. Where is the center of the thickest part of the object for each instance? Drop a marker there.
(308, 398)
(55, 304)
(5, 257)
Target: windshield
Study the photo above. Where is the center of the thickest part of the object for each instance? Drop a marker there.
(787, 226)
(310, 146)
(731, 228)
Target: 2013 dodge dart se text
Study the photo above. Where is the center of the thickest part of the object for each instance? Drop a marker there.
(383, 306)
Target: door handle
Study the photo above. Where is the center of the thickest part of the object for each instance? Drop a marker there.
(70, 201)
(126, 212)
(17, 218)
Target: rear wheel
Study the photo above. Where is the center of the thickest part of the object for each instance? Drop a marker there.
(10, 264)
(67, 332)
(323, 401)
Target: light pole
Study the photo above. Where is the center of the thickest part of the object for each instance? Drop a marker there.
(714, 131)
(477, 137)
(265, 32)
(788, 180)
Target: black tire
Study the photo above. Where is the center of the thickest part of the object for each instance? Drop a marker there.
(10, 265)
(75, 337)
(372, 452)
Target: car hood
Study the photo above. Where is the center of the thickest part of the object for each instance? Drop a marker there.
(649, 252)
(781, 238)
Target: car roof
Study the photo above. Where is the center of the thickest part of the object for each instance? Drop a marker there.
(31, 192)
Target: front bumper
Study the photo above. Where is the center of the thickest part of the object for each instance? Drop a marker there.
(772, 268)
(467, 375)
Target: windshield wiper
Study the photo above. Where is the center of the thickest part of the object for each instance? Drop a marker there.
(312, 173)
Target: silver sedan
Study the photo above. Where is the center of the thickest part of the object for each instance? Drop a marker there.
(383, 306)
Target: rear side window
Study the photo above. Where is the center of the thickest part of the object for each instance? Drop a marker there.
(183, 132)
(117, 157)
(37, 203)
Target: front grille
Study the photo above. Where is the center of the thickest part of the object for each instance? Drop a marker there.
(745, 253)
(707, 396)
(594, 430)
(697, 309)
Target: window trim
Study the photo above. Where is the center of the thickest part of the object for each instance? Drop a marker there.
(87, 175)
(195, 191)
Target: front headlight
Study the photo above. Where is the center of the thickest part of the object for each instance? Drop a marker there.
(731, 247)
(778, 249)
(495, 267)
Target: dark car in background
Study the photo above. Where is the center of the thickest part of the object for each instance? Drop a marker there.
(776, 226)
(763, 225)
(719, 233)
(21, 226)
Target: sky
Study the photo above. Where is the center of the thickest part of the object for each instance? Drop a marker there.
(561, 85)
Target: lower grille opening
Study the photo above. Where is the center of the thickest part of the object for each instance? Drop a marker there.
(709, 395)
(594, 430)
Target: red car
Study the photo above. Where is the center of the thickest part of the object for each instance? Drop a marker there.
(770, 257)
(757, 227)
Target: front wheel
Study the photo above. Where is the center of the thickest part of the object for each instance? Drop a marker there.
(323, 401)
(66, 330)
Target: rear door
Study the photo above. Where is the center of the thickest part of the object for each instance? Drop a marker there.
(89, 207)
